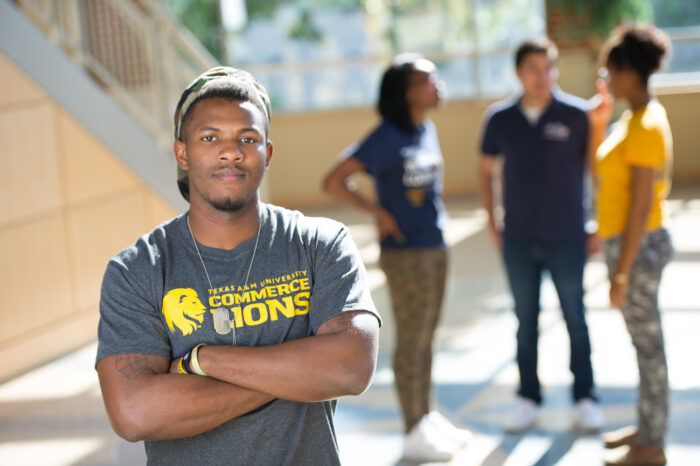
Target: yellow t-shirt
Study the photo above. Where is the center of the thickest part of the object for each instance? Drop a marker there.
(639, 139)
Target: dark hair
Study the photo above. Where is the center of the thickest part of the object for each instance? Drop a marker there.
(392, 104)
(637, 47)
(536, 45)
(224, 91)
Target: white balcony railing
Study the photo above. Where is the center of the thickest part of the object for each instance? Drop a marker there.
(132, 48)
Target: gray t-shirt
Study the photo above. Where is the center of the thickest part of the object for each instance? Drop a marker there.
(156, 299)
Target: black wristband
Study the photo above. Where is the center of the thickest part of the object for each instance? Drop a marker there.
(186, 362)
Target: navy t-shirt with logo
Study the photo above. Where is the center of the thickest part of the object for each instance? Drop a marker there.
(544, 167)
(407, 170)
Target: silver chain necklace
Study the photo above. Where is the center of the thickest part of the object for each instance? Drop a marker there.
(222, 321)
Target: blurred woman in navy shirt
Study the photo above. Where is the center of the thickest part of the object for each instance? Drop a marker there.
(403, 156)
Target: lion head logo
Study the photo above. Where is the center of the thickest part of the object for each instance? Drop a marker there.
(182, 308)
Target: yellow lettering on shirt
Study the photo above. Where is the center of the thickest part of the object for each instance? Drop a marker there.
(255, 314)
(267, 300)
(286, 307)
(301, 300)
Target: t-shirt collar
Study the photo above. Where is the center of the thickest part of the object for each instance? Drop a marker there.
(556, 97)
(556, 100)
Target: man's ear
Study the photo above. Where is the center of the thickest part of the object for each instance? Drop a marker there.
(519, 73)
(268, 157)
(180, 151)
(555, 72)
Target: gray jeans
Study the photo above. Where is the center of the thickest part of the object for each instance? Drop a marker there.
(643, 322)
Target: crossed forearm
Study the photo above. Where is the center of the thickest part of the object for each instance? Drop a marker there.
(144, 403)
(309, 369)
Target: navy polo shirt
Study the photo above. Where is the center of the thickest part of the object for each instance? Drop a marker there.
(543, 166)
(407, 171)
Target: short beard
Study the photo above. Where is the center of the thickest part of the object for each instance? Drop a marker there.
(229, 205)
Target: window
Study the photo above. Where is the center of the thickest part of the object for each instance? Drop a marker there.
(681, 20)
(328, 54)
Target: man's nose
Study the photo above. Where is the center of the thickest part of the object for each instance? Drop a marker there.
(230, 150)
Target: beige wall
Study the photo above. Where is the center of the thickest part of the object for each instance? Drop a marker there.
(307, 144)
(683, 107)
(68, 205)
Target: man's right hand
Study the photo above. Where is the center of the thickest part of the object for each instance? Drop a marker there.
(145, 401)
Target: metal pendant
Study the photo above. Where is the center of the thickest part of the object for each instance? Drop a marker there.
(222, 321)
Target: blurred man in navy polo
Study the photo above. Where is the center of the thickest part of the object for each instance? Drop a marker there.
(541, 136)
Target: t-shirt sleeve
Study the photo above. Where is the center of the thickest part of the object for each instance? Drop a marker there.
(489, 139)
(645, 147)
(129, 318)
(371, 152)
(340, 282)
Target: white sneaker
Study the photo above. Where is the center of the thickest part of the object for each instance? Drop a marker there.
(589, 416)
(424, 444)
(443, 425)
(524, 416)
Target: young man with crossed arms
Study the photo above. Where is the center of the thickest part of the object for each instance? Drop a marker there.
(227, 333)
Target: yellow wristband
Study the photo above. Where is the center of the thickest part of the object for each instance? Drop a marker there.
(195, 362)
(620, 278)
(180, 367)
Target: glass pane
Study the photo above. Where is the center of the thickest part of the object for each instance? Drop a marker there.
(681, 20)
(331, 54)
(458, 75)
(497, 75)
(287, 38)
(505, 23)
(686, 56)
(349, 86)
(433, 26)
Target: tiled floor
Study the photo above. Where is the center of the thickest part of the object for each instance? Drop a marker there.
(54, 415)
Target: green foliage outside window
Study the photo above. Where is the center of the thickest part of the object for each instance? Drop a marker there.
(201, 17)
(606, 14)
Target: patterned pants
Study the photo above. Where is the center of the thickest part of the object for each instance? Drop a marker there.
(416, 279)
(643, 322)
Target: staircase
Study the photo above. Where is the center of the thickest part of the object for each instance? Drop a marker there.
(117, 65)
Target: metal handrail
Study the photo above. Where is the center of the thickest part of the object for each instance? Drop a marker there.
(134, 49)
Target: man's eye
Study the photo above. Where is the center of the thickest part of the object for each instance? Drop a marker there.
(208, 138)
(248, 140)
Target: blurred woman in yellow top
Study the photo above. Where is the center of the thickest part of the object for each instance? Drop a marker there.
(633, 166)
